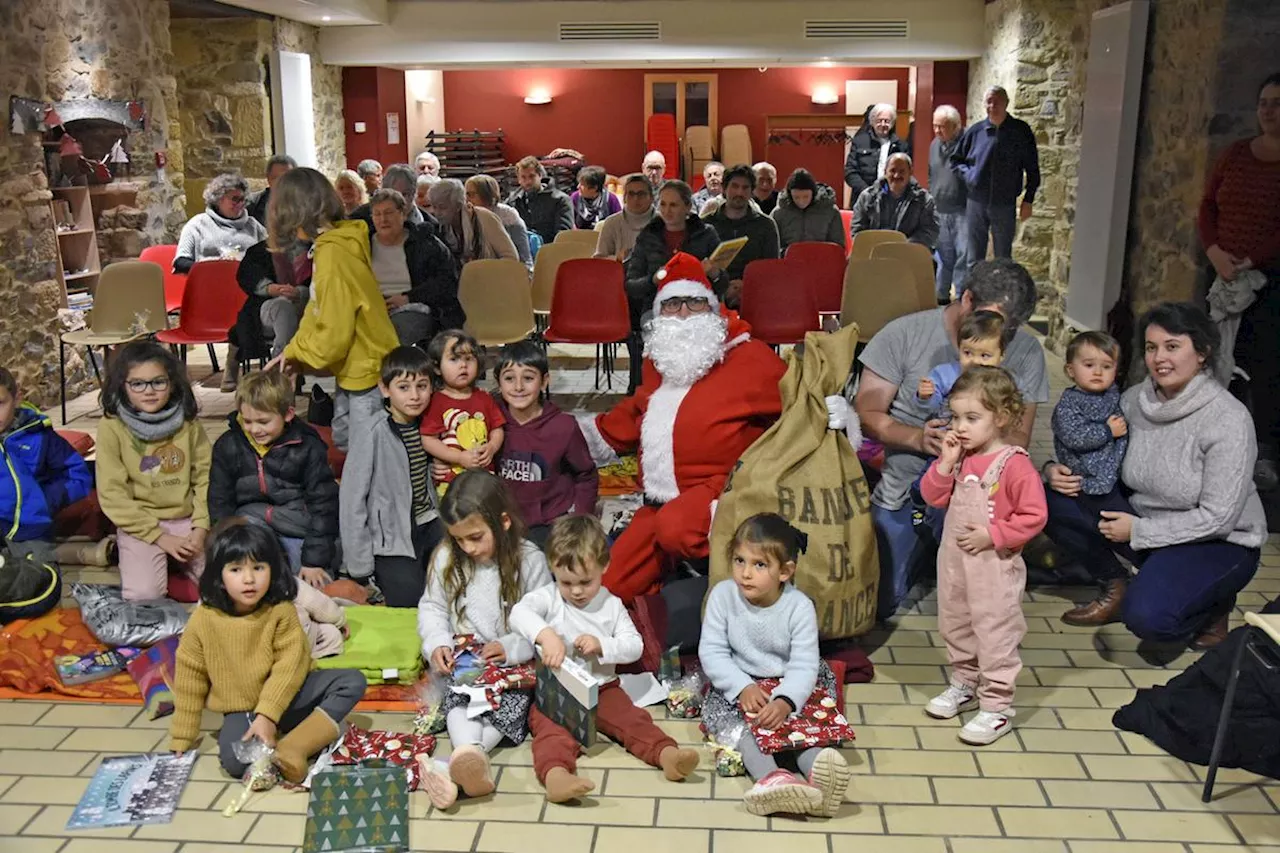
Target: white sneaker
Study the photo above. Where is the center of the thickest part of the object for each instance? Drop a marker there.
(987, 727)
(952, 701)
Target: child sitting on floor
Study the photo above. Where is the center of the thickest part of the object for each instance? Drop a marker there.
(544, 460)
(1090, 434)
(462, 427)
(272, 468)
(244, 655)
(45, 474)
(475, 578)
(153, 472)
(758, 625)
(578, 616)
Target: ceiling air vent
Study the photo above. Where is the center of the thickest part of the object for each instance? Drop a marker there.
(611, 31)
(855, 29)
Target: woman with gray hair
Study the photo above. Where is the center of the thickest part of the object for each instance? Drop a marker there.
(351, 190)
(483, 191)
(414, 271)
(871, 146)
(370, 171)
(470, 232)
(224, 230)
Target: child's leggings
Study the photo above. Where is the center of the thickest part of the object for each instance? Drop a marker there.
(617, 717)
(334, 691)
(144, 566)
(468, 732)
(760, 765)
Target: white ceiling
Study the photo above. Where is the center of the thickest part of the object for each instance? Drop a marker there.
(321, 13)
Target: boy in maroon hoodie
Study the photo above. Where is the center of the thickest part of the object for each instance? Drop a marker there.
(544, 460)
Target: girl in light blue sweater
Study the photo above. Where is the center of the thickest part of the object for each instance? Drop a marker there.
(758, 626)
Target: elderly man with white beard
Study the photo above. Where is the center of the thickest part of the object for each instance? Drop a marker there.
(708, 392)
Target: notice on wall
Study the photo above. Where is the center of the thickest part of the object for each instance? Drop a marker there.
(393, 128)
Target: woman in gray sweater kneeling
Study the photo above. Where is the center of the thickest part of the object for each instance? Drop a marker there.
(1187, 513)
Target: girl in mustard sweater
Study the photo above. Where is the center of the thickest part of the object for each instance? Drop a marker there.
(244, 655)
(153, 472)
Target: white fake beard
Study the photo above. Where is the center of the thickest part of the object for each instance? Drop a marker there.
(685, 349)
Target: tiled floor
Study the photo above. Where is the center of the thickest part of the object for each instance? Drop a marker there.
(1064, 782)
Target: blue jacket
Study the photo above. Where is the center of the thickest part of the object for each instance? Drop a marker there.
(41, 475)
(1082, 440)
(992, 160)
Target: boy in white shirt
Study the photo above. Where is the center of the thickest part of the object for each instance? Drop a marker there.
(577, 612)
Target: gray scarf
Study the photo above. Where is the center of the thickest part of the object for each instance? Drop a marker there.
(153, 427)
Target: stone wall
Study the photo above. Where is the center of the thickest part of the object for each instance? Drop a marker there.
(67, 49)
(1204, 61)
(326, 94)
(221, 71)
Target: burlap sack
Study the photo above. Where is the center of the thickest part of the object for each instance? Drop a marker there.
(810, 475)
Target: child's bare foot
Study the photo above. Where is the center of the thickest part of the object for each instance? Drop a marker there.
(677, 763)
(435, 780)
(469, 767)
(562, 786)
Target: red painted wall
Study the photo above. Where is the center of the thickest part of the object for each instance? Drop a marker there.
(368, 94)
(951, 85)
(600, 112)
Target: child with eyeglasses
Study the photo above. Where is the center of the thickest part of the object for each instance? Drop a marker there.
(153, 473)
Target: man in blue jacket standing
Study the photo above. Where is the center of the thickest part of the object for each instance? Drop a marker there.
(991, 158)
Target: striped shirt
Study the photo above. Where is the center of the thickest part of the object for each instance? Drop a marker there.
(419, 466)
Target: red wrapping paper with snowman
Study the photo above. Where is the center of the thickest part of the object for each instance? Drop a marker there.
(398, 748)
(494, 678)
(818, 723)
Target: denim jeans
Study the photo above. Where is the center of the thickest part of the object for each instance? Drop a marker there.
(1179, 588)
(998, 219)
(906, 555)
(953, 254)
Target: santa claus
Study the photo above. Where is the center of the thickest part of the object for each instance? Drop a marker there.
(708, 392)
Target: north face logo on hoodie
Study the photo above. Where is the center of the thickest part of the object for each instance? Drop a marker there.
(522, 467)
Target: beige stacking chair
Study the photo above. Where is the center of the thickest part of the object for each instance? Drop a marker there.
(498, 301)
(698, 150)
(876, 292)
(865, 242)
(547, 264)
(575, 235)
(920, 259)
(735, 145)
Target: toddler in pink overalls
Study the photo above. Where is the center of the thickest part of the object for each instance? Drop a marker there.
(995, 504)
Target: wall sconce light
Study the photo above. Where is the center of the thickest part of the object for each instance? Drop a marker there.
(825, 95)
(538, 96)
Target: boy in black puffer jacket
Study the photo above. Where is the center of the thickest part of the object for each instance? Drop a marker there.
(272, 469)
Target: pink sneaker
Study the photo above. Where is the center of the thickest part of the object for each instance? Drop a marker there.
(434, 779)
(785, 792)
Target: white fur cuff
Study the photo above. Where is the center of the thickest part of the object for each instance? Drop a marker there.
(602, 453)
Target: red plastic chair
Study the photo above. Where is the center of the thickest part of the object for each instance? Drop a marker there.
(589, 306)
(846, 216)
(661, 136)
(779, 308)
(821, 266)
(210, 303)
(174, 282)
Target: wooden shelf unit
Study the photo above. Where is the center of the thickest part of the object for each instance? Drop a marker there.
(77, 247)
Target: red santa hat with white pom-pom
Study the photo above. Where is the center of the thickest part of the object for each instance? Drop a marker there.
(683, 275)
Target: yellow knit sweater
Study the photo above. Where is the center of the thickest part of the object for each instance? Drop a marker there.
(237, 663)
(140, 481)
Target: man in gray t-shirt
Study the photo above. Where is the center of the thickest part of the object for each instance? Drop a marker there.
(893, 363)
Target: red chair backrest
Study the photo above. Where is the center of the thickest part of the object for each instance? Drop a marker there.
(846, 216)
(212, 299)
(821, 266)
(778, 306)
(174, 282)
(589, 303)
(661, 136)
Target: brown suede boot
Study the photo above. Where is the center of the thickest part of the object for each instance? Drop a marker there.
(1103, 610)
(1215, 632)
(310, 736)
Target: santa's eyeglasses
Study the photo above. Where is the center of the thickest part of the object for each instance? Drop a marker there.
(695, 304)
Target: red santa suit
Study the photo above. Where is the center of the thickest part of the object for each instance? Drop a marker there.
(688, 440)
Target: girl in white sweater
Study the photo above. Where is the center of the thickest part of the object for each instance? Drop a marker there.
(756, 626)
(475, 577)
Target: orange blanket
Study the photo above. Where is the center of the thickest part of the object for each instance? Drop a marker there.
(28, 647)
